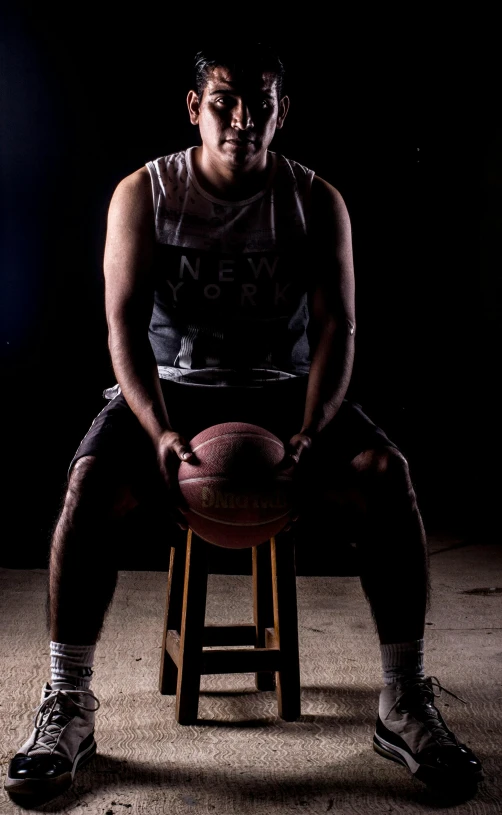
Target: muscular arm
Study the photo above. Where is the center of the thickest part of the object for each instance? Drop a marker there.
(129, 299)
(128, 268)
(332, 308)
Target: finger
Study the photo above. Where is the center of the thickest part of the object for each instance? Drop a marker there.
(287, 462)
(183, 450)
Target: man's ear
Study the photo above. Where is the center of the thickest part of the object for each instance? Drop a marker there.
(193, 107)
(283, 110)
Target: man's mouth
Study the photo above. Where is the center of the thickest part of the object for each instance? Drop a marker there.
(240, 142)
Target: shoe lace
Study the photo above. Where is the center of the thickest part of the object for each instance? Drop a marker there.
(51, 718)
(418, 698)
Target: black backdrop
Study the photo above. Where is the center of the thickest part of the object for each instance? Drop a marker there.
(412, 145)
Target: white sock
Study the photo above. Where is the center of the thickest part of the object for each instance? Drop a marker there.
(71, 665)
(402, 660)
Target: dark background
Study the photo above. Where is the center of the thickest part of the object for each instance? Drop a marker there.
(406, 130)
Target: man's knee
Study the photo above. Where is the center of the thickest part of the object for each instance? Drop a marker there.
(95, 489)
(372, 475)
(384, 481)
(384, 463)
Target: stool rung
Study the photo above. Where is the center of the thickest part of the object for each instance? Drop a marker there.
(246, 661)
(236, 634)
(173, 645)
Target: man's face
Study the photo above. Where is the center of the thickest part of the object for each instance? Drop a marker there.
(237, 118)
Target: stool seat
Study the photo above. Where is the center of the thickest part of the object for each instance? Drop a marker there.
(272, 637)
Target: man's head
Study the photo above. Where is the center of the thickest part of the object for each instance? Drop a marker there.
(238, 103)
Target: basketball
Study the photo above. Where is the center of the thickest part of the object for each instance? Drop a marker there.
(236, 496)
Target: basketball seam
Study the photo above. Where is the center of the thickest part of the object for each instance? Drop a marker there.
(231, 523)
(219, 478)
(240, 435)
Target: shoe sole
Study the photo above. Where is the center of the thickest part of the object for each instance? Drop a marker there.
(425, 774)
(55, 786)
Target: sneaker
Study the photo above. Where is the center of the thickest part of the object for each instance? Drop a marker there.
(411, 731)
(63, 740)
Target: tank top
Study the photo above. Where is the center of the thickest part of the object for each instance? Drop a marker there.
(231, 277)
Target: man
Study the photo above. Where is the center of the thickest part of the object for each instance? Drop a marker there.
(230, 296)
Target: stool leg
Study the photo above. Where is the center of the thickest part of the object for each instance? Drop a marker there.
(192, 631)
(172, 619)
(263, 608)
(286, 627)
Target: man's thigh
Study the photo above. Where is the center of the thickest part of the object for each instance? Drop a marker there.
(350, 433)
(120, 448)
(329, 493)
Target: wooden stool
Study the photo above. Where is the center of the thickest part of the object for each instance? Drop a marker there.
(273, 636)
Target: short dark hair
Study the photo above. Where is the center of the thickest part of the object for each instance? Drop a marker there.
(246, 59)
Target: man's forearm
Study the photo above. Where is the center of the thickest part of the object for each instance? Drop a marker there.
(329, 377)
(136, 371)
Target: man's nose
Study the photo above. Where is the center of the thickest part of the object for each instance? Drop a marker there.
(242, 118)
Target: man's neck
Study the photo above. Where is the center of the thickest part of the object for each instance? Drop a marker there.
(228, 183)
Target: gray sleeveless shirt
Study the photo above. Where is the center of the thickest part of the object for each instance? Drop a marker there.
(231, 277)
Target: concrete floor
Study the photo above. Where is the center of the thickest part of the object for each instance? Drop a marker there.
(240, 757)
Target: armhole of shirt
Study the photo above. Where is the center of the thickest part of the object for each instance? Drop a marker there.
(156, 191)
(308, 201)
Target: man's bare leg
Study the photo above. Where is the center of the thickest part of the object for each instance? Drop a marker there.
(83, 557)
(392, 546)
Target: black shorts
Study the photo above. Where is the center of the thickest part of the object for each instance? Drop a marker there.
(117, 437)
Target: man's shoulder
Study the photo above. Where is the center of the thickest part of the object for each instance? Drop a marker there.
(174, 163)
(133, 193)
(325, 199)
(135, 181)
(294, 168)
(326, 196)
(140, 176)
(330, 218)
(323, 195)
(161, 172)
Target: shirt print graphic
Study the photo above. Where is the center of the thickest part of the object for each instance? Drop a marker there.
(210, 285)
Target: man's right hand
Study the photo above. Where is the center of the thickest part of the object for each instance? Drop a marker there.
(171, 449)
